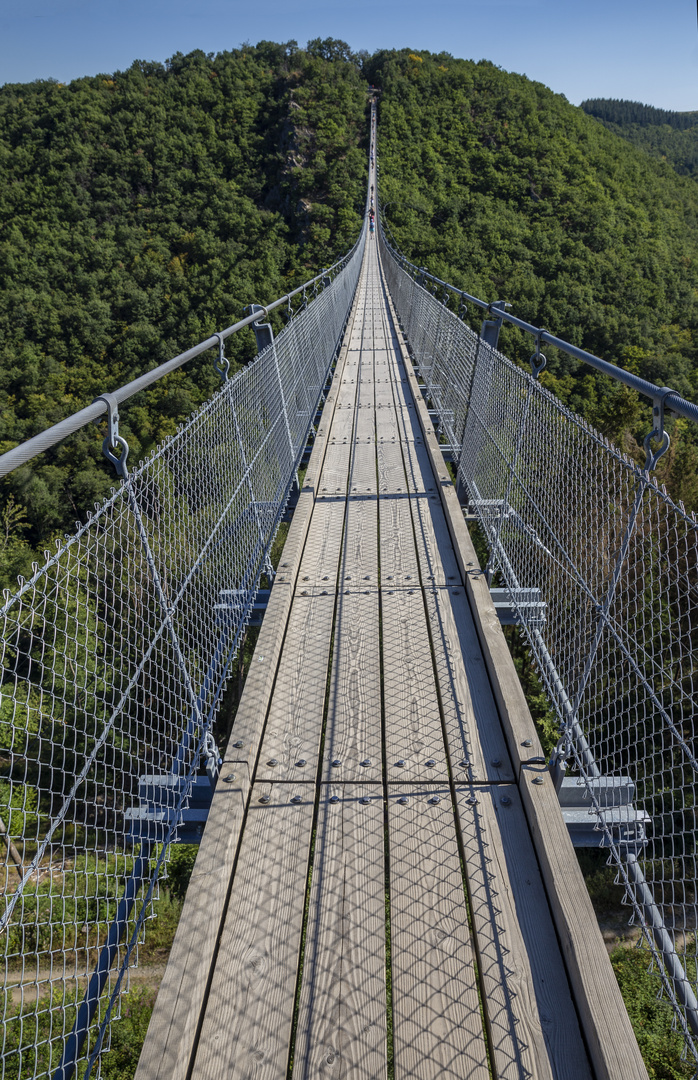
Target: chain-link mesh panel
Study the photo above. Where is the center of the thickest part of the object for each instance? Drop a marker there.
(115, 655)
(602, 569)
(445, 347)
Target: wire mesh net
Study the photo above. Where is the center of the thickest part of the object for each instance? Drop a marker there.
(601, 567)
(115, 656)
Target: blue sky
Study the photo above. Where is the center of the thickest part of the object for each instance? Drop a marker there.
(645, 50)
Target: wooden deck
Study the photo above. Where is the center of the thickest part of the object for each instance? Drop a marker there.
(385, 885)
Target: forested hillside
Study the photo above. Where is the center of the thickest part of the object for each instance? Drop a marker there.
(499, 185)
(141, 211)
(669, 136)
(622, 112)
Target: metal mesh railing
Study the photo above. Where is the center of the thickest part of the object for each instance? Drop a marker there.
(601, 567)
(115, 655)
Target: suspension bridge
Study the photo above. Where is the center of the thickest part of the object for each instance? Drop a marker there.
(386, 882)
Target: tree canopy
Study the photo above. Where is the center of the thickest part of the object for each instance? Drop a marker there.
(140, 212)
(669, 136)
(144, 209)
(502, 187)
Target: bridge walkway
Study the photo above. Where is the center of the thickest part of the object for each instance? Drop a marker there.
(368, 898)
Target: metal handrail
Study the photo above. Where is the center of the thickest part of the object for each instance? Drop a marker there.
(670, 398)
(31, 448)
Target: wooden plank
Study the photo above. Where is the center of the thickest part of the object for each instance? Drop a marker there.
(414, 743)
(391, 468)
(398, 556)
(362, 477)
(420, 477)
(513, 709)
(342, 425)
(251, 714)
(360, 550)
(476, 743)
(294, 725)
(387, 427)
(366, 395)
(402, 393)
(289, 563)
(365, 427)
(169, 1043)
(353, 728)
(335, 470)
(358, 328)
(346, 395)
(434, 549)
(407, 417)
(607, 1030)
(342, 1030)
(249, 1011)
(533, 1026)
(320, 561)
(437, 1027)
(384, 394)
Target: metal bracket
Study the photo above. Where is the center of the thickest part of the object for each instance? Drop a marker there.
(113, 440)
(213, 759)
(615, 797)
(263, 332)
(658, 433)
(508, 603)
(221, 365)
(231, 605)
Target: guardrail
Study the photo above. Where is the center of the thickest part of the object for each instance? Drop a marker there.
(115, 657)
(613, 564)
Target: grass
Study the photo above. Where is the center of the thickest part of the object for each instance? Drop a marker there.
(651, 1016)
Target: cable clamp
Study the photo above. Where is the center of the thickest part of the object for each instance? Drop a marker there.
(113, 440)
(221, 365)
(657, 434)
(538, 360)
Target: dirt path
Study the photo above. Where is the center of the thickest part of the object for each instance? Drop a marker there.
(26, 988)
